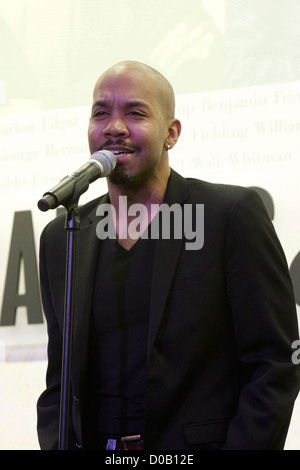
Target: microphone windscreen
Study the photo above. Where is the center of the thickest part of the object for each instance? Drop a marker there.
(106, 160)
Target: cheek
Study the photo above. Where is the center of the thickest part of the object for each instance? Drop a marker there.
(154, 137)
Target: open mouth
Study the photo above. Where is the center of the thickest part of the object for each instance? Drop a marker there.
(120, 151)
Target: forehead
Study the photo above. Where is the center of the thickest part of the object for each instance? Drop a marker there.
(130, 83)
(125, 86)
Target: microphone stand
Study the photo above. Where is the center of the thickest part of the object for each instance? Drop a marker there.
(72, 225)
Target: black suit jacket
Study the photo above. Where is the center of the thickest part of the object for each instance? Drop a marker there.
(222, 320)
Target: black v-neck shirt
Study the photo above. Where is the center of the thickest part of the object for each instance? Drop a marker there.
(120, 330)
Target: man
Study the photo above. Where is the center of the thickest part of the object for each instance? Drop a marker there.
(175, 347)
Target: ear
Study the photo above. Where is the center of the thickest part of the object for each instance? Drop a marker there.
(174, 131)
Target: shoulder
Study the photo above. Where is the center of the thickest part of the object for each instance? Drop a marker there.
(221, 195)
(217, 198)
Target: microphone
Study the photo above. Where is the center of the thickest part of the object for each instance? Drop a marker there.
(99, 165)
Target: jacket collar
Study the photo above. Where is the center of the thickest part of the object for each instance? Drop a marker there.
(166, 257)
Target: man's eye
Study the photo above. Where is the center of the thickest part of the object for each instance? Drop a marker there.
(99, 113)
(136, 113)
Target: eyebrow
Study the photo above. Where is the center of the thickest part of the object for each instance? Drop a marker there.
(128, 104)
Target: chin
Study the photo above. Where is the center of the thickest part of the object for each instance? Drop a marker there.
(119, 178)
(132, 179)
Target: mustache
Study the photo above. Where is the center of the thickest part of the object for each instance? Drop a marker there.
(120, 142)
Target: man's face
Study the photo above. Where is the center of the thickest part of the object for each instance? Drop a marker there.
(128, 120)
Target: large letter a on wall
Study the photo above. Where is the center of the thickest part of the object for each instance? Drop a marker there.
(22, 248)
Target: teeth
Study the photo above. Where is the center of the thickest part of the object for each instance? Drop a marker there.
(119, 152)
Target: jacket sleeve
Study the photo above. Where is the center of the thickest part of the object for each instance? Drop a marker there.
(265, 322)
(48, 405)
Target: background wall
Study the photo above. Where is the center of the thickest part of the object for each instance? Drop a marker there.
(235, 68)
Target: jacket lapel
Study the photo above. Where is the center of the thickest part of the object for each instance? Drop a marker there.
(165, 260)
(88, 245)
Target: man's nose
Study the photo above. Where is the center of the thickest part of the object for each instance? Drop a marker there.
(116, 126)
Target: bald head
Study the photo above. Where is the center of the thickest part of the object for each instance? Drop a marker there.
(163, 89)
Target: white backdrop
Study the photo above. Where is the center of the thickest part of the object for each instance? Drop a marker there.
(236, 78)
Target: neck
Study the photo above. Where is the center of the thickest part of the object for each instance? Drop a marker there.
(122, 197)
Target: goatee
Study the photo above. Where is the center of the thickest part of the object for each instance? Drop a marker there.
(119, 178)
